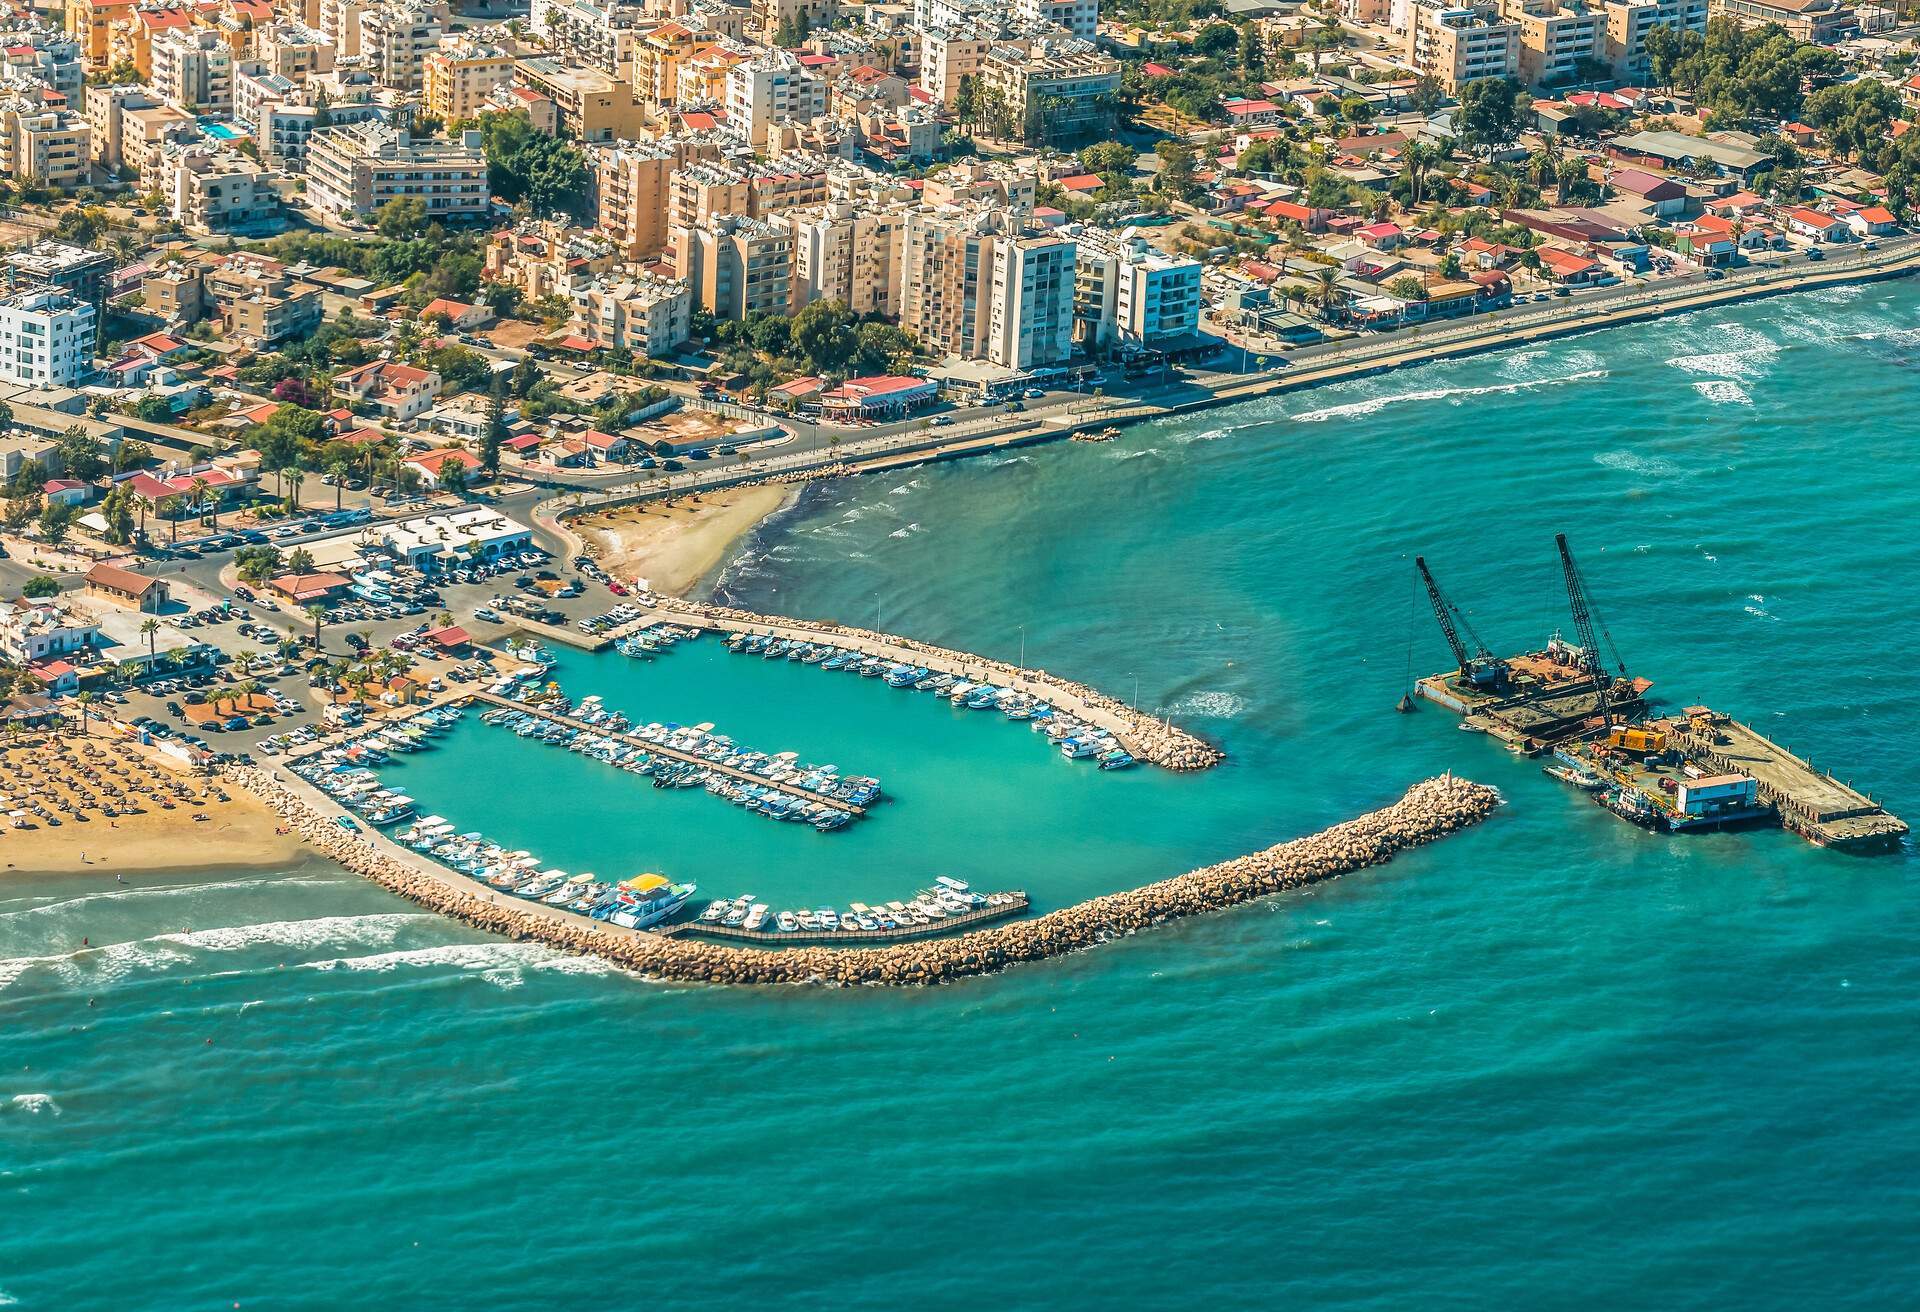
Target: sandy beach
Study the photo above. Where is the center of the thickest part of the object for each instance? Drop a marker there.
(673, 545)
(124, 809)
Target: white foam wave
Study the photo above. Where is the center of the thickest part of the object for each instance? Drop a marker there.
(162, 890)
(1135, 455)
(1214, 704)
(908, 531)
(503, 964)
(1009, 460)
(1357, 409)
(1747, 354)
(370, 930)
(36, 1103)
(904, 488)
(1723, 391)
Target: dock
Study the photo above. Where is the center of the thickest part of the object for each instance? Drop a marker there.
(673, 753)
(1811, 803)
(795, 938)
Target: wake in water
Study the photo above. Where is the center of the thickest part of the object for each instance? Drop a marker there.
(34, 1103)
(1355, 409)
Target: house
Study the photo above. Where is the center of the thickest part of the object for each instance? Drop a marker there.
(1310, 218)
(1874, 221)
(1816, 226)
(310, 589)
(66, 492)
(608, 446)
(1382, 236)
(1708, 241)
(1250, 113)
(128, 588)
(1080, 184)
(397, 391)
(459, 315)
(57, 677)
(431, 465)
(158, 346)
(1664, 195)
(1566, 267)
(1738, 205)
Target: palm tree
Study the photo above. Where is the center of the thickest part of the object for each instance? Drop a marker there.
(1327, 290)
(337, 470)
(150, 631)
(171, 507)
(295, 477)
(145, 505)
(318, 614)
(84, 701)
(200, 501)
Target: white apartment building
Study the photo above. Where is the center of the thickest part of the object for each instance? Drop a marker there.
(220, 191)
(193, 71)
(35, 53)
(1628, 23)
(1079, 17)
(929, 14)
(293, 50)
(46, 339)
(32, 631)
(357, 169)
(601, 35)
(1030, 315)
(339, 22)
(772, 87)
(1071, 79)
(1126, 293)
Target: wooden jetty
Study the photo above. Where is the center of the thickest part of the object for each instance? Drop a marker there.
(674, 753)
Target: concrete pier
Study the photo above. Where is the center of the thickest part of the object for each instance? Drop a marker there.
(672, 753)
(1149, 739)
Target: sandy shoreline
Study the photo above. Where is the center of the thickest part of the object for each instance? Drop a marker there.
(674, 545)
(198, 833)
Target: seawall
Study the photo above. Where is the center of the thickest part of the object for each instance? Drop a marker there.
(1429, 810)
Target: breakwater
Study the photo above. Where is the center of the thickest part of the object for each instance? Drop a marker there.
(1147, 737)
(1429, 810)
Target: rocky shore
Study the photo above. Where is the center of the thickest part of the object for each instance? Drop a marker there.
(1429, 810)
(1147, 737)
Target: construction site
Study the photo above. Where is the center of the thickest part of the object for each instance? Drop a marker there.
(1698, 770)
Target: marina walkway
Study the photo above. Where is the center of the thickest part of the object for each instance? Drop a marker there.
(778, 937)
(674, 753)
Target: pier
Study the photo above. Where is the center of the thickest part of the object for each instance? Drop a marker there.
(1810, 803)
(780, 937)
(1146, 737)
(672, 753)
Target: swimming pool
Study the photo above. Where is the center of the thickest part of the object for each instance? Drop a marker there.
(224, 131)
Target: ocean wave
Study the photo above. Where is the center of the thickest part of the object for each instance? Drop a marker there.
(503, 964)
(1723, 391)
(164, 890)
(371, 930)
(36, 1103)
(104, 964)
(1009, 460)
(1135, 455)
(1746, 354)
(908, 531)
(904, 488)
(1212, 704)
(1358, 409)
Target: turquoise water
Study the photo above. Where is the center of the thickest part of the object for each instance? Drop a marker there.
(1554, 1062)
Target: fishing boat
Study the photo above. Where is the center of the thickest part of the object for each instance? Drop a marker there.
(1577, 775)
(786, 922)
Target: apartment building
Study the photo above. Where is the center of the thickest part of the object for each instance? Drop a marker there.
(283, 115)
(772, 87)
(46, 338)
(1030, 313)
(599, 36)
(645, 315)
(293, 50)
(998, 184)
(767, 18)
(459, 76)
(1822, 22)
(217, 191)
(176, 293)
(339, 22)
(33, 52)
(43, 147)
(146, 133)
(548, 258)
(950, 57)
(72, 269)
(1561, 41)
(849, 254)
(396, 38)
(591, 105)
(1629, 21)
(131, 40)
(1128, 294)
(1072, 79)
(701, 78)
(735, 265)
(946, 257)
(90, 22)
(193, 71)
(656, 59)
(699, 191)
(259, 302)
(632, 186)
(1457, 44)
(357, 169)
(104, 106)
(1079, 17)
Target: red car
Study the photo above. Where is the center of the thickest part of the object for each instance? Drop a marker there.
(617, 589)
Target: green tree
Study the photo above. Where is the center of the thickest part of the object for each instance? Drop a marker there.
(56, 517)
(1489, 116)
(39, 586)
(1407, 288)
(496, 428)
(404, 216)
(150, 630)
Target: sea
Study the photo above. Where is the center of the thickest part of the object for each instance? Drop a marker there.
(1552, 1062)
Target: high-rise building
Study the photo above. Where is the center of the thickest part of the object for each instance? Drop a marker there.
(1561, 41)
(193, 71)
(460, 75)
(46, 338)
(1126, 293)
(1457, 44)
(631, 188)
(396, 38)
(736, 266)
(850, 254)
(1030, 313)
(357, 169)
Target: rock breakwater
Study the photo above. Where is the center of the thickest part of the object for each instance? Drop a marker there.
(1429, 810)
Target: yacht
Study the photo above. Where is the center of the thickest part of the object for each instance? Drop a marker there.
(648, 900)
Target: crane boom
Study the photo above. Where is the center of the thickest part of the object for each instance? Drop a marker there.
(1583, 628)
(1479, 666)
